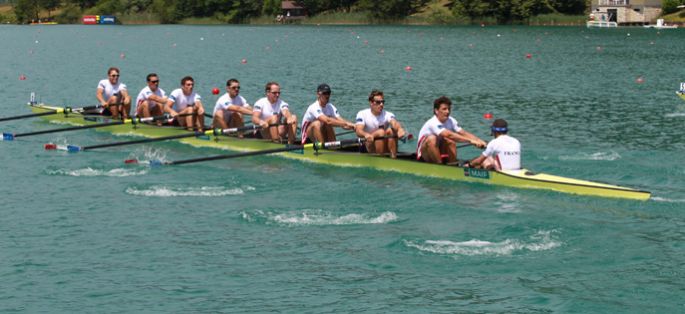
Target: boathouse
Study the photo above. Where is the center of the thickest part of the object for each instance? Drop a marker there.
(292, 11)
(626, 12)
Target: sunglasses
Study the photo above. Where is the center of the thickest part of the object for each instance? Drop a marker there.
(154, 82)
(378, 102)
(235, 87)
(114, 75)
(191, 84)
(326, 93)
(275, 93)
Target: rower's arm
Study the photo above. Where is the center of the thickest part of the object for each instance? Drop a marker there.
(475, 140)
(98, 95)
(241, 109)
(168, 107)
(477, 161)
(397, 127)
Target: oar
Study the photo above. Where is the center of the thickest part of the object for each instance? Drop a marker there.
(316, 146)
(51, 112)
(215, 132)
(12, 136)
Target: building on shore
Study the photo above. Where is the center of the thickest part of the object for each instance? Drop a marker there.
(291, 11)
(626, 12)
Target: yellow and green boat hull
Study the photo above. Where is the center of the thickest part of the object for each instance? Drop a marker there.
(517, 179)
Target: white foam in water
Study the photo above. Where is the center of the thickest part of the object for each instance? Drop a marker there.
(147, 153)
(90, 172)
(320, 218)
(667, 200)
(541, 241)
(163, 191)
(675, 115)
(609, 156)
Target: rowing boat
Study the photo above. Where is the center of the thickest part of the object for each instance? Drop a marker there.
(405, 164)
(681, 95)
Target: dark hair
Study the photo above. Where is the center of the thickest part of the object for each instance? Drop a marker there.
(187, 78)
(151, 75)
(267, 88)
(499, 126)
(113, 69)
(442, 100)
(375, 93)
(228, 83)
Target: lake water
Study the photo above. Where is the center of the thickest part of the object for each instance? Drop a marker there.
(84, 233)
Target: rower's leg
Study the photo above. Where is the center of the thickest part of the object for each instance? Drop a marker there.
(200, 117)
(273, 130)
(219, 121)
(328, 132)
(449, 147)
(236, 120)
(429, 150)
(292, 130)
(390, 143)
(314, 131)
(143, 109)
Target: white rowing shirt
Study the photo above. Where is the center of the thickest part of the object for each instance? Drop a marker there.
(181, 100)
(434, 127)
(372, 122)
(506, 150)
(108, 90)
(314, 111)
(267, 110)
(144, 94)
(224, 101)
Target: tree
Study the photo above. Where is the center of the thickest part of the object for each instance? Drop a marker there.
(670, 6)
(49, 5)
(471, 9)
(26, 10)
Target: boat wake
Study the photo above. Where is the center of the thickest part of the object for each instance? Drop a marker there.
(675, 115)
(145, 154)
(541, 241)
(608, 156)
(317, 218)
(205, 191)
(667, 200)
(90, 172)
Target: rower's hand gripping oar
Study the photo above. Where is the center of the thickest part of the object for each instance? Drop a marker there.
(65, 110)
(12, 136)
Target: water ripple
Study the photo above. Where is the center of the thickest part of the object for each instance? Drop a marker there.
(541, 241)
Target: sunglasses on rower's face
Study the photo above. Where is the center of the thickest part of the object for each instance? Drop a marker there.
(154, 82)
(114, 75)
(235, 87)
(275, 93)
(378, 102)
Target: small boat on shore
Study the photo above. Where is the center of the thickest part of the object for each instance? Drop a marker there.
(661, 25)
(405, 163)
(601, 24)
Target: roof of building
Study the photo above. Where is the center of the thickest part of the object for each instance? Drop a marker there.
(290, 5)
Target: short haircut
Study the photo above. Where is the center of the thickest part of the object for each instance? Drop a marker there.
(185, 79)
(375, 93)
(267, 87)
(229, 82)
(442, 100)
(113, 69)
(151, 75)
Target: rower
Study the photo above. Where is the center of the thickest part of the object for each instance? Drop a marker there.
(270, 111)
(320, 118)
(378, 127)
(682, 88)
(113, 95)
(230, 107)
(439, 135)
(502, 153)
(151, 99)
(186, 102)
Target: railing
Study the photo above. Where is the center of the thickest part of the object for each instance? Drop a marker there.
(614, 2)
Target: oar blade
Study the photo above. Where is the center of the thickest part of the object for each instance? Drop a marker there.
(8, 136)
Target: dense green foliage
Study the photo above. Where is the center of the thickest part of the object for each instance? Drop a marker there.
(236, 11)
(670, 6)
